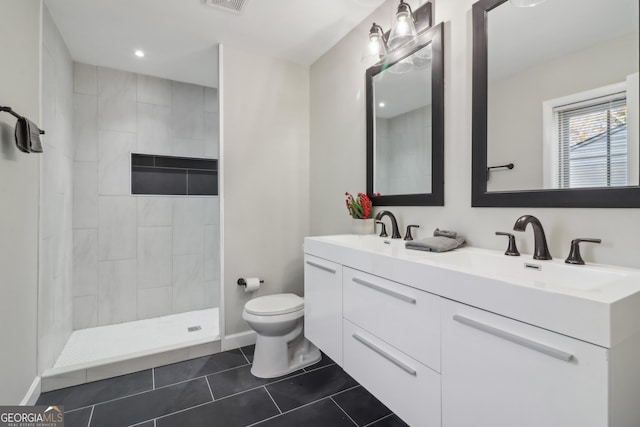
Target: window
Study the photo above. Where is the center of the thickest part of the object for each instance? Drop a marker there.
(592, 142)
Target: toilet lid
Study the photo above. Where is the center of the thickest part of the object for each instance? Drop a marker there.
(274, 304)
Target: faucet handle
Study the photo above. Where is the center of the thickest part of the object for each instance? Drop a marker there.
(512, 250)
(408, 235)
(383, 233)
(574, 254)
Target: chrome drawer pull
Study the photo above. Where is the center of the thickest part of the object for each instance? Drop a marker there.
(400, 364)
(321, 267)
(389, 292)
(533, 345)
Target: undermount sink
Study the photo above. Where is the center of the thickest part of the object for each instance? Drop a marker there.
(526, 271)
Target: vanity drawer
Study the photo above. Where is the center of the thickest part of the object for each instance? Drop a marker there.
(407, 387)
(407, 318)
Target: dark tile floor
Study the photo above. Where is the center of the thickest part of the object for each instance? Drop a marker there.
(219, 391)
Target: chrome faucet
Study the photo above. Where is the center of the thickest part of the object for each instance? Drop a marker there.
(395, 234)
(541, 251)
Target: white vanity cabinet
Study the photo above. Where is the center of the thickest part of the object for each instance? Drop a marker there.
(448, 344)
(323, 305)
(498, 372)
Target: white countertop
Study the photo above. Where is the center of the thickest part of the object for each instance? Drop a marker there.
(596, 303)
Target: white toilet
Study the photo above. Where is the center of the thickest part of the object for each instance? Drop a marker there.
(281, 347)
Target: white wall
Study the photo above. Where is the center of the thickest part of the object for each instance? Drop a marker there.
(55, 311)
(265, 156)
(19, 88)
(338, 155)
(139, 256)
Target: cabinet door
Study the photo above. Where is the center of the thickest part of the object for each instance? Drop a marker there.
(498, 372)
(323, 305)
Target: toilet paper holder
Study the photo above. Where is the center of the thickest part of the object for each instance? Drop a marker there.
(243, 282)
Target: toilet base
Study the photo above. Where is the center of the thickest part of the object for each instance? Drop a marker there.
(277, 356)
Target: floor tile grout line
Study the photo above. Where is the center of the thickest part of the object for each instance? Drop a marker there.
(192, 379)
(77, 409)
(245, 356)
(345, 390)
(90, 416)
(379, 419)
(266, 419)
(319, 367)
(147, 391)
(286, 412)
(345, 412)
(231, 395)
(182, 410)
(213, 399)
(272, 399)
(264, 385)
(202, 376)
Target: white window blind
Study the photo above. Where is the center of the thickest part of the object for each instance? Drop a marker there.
(592, 142)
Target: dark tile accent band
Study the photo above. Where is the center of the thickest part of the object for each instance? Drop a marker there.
(166, 175)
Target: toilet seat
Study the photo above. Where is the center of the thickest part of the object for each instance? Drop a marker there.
(274, 305)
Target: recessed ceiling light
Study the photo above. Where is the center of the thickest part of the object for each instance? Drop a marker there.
(381, 104)
(139, 53)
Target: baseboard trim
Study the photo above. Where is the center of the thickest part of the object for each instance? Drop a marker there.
(33, 393)
(241, 339)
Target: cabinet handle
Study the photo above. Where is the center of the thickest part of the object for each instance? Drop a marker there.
(533, 345)
(321, 267)
(389, 292)
(399, 363)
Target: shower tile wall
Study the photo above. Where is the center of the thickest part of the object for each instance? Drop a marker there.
(395, 141)
(56, 200)
(137, 257)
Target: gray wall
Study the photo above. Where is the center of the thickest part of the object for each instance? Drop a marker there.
(19, 175)
(266, 176)
(137, 257)
(55, 311)
(338, 154)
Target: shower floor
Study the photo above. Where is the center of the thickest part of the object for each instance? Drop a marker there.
(138, 337)
(109, 351)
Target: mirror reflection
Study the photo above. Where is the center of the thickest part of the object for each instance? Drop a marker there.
(562, 101)
(403, 126)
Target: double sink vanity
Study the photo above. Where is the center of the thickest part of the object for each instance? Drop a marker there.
(476, 338)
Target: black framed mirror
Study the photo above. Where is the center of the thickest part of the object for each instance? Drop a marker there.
(405, 125)
(555, 104)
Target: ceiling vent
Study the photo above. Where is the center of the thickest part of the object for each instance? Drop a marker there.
(232, 6)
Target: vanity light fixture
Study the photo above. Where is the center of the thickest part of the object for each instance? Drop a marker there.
(377, 42)
(139, 53)
(403, 27)
(381, 105)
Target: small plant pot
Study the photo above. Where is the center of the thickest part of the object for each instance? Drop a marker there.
(362, 226)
